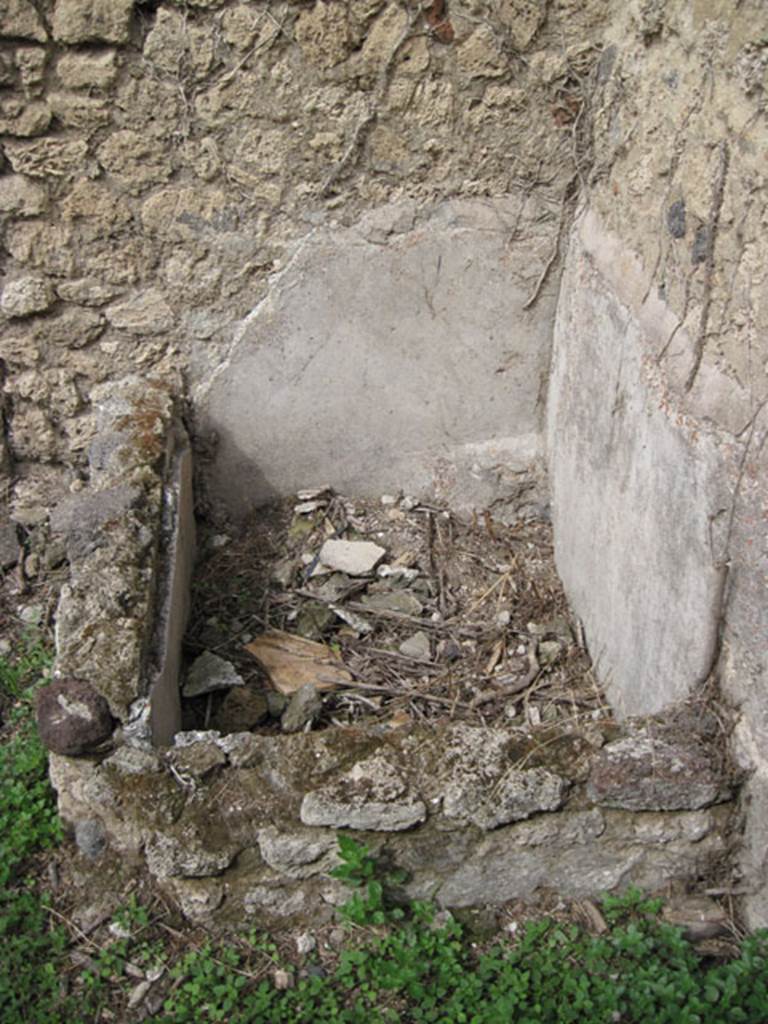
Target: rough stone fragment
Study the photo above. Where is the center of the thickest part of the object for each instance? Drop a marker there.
(87, 70)
(23, 119)
(354, 557)
(373, 796)
(20, 18)
(47, 158)
(142, 314)
(77, 111)
(135, 160)
(396, 601)
(26, 295)
(480, 56)
(676, 219)
(22, 197)
(208, 673)
(198, 898)
(72, 717)
(242, 709)
(9, 543)
(296, 854)
(417, 646)
(86, 21)
(322, 32)
(643, 773)
(86, 291)
(274, 899)
(516, 796)
(184, 854)
(523, 19)
(699, 917)
(133, 761)
(90, 837)
(196, 760)
(304, 707)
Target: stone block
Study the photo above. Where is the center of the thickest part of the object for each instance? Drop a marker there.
(89, 21)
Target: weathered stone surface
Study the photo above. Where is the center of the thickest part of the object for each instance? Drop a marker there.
(134, 761)
(297, 854)
(144, 314)
(135, 160)
(517, 795)
(87, 70)
(9, 543)
(372, 796)
(25, 296)
(90, 838)
(23, 120)
(186, 854)
(22, 197)
(20, 18)
(196, 760)
(643, 773)
(304, 707)
(699, 917)
(198, 898)
(47, 158)
(208, 673)
(86, 21)
(72, 717)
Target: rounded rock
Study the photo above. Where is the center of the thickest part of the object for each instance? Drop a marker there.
(72, 717)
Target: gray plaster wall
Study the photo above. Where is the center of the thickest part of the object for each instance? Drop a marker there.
(660, 516)
(638, 489)
(395, 353)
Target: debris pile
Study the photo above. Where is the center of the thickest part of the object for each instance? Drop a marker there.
(325, 610)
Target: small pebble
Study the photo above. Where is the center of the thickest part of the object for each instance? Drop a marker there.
(31, 614)
(283, 980)
(305, 943)
(408, 504)
(503, 618)
(388, 499)
(220, 540)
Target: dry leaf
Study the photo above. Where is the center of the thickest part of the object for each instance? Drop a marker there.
(291, 662)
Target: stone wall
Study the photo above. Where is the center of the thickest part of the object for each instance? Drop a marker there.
(162, 161)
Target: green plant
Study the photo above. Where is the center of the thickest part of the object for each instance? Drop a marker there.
(360, 870)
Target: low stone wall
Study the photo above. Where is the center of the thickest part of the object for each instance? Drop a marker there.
(245, 825)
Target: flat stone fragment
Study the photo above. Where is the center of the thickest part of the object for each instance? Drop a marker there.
(371, 797)
(296, 854)
(416, 646)
(354, 557)
(242, 709)
(20, 19)
(25, 296)
(643, 773)
(209, 672)
(72, 717)
(196, 760)
(698, 916)
(517, 795)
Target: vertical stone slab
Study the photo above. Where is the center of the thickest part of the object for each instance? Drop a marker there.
(639, 489)
(175, 565)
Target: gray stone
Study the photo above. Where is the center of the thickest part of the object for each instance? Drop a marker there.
(9, 544)
(431, 313)
(643, 773)
(297, 854)
(90, 837)
(25, 296)
(72, 717)
(416, 646)
(518, 794)
(304, 707)
(373, 796)
(353, 557)
(676, 219)
(396, 601)
(144, 314)
(209, 673)
(196, 760)
(242, 709)
(198, 898)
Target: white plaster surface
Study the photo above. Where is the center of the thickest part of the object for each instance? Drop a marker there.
(389, 355)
